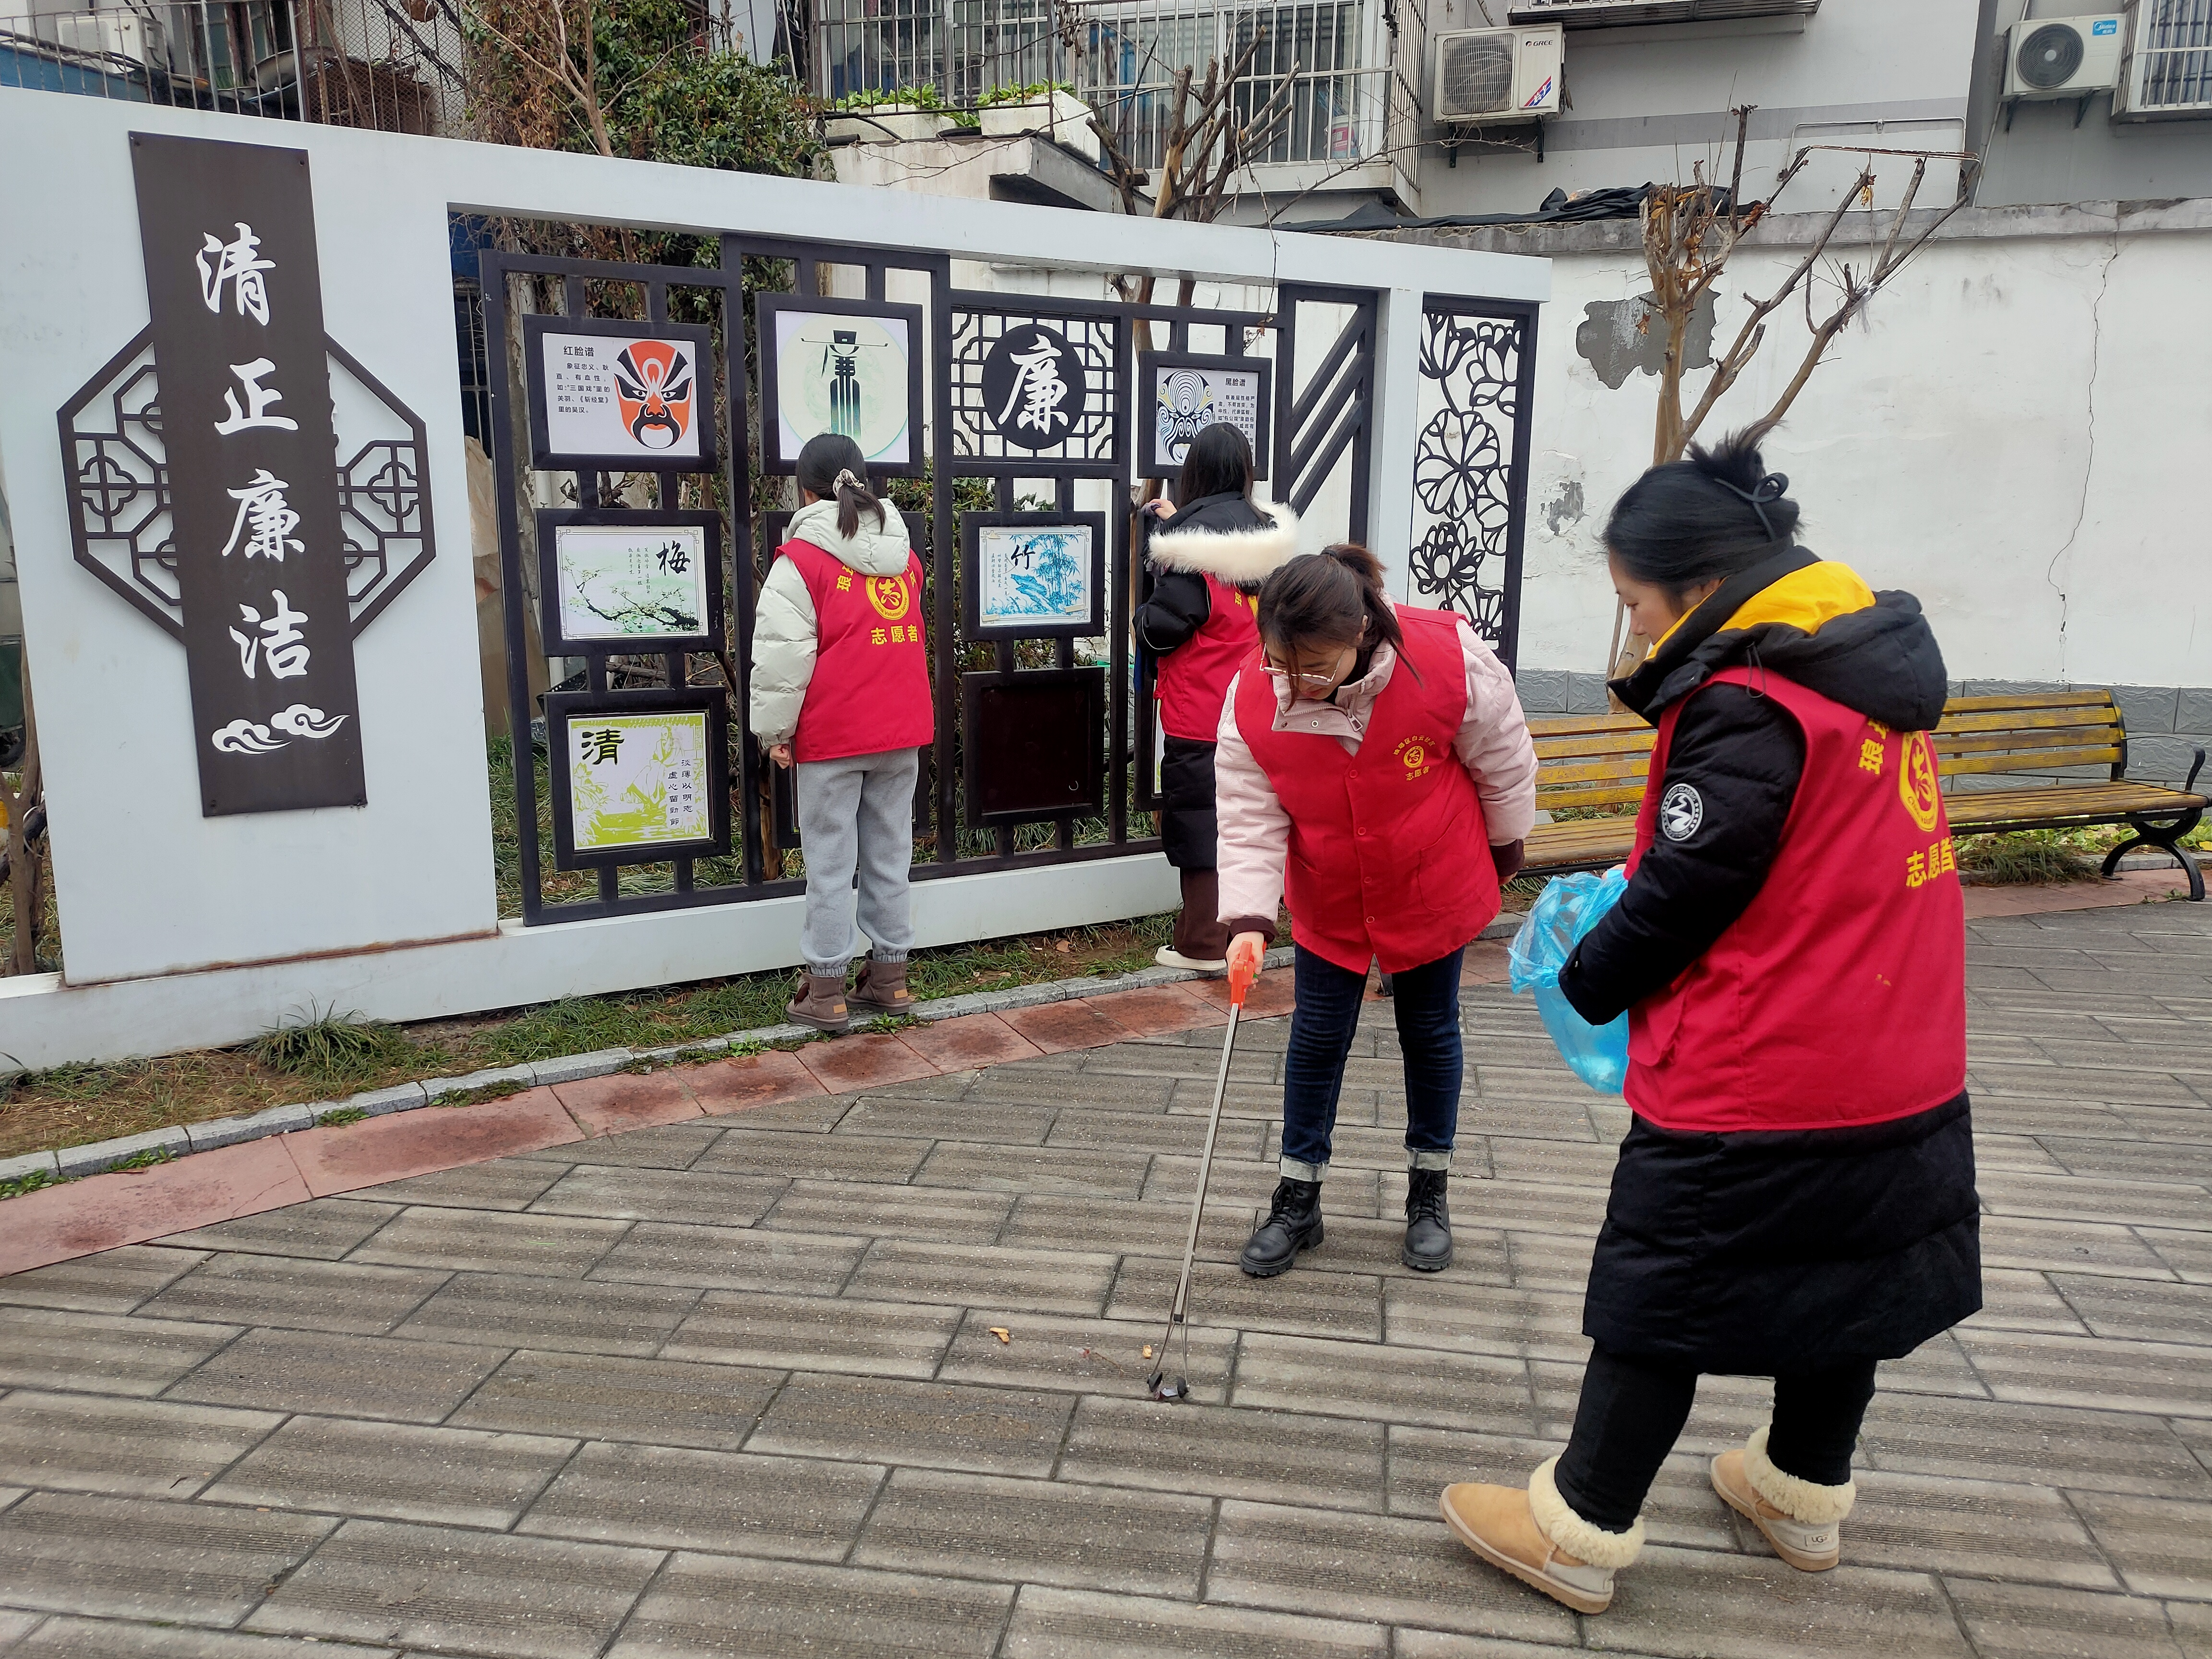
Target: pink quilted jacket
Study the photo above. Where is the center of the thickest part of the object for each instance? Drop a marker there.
(1492, 744)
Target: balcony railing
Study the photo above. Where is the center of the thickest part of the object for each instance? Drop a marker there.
(1315, 56)
(342, 63)
(1599, 13)
(961, 48)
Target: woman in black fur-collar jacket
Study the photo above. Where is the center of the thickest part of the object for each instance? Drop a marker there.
(1209, 557)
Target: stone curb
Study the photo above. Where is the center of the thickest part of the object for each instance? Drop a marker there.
(29, 1164)
(105, 1154)
(180, 1141)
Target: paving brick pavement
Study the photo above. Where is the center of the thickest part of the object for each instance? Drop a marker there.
(732, 1385)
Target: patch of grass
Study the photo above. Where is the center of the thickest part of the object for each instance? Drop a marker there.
(329, 1048)
(339, 1116)
(488, 1091)
(37, 1181)
(884, 1024)
(2023, 860)
(1521, 892)
(77, 1082)
(145, 1160)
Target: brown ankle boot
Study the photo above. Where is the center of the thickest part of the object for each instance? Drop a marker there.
(881, 989)
(819, 999)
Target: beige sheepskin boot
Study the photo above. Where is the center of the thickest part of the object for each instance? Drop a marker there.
(1801, 1520)
(1533, 1535)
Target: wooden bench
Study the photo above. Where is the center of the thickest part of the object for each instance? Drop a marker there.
(1591, 770)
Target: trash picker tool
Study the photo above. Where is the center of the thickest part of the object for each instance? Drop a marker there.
(1159, 1384)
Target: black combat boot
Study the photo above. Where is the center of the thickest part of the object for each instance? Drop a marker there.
(1428, 1222)
(1293, 1224)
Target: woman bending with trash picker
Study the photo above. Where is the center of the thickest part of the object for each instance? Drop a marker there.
(1794, 1198)
(1374, 764)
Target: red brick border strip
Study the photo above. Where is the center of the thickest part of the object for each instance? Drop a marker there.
(100, 1212)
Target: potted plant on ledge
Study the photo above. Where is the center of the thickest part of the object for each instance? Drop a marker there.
(890, 115)
(1048, 109)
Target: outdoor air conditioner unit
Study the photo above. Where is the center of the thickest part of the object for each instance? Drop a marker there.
(116, 35)
(121, 35)
(2167, 74)
(2062, 57)
(1486, 76)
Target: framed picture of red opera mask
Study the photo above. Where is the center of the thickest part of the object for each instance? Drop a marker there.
(609, 395)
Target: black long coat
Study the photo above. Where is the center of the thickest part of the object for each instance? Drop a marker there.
(1764, 1252)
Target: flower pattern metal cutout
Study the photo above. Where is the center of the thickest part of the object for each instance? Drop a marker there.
(120, 523)
(1463, 484)
(975, 434)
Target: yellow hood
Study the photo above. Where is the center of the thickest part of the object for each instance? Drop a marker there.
(1804, 599)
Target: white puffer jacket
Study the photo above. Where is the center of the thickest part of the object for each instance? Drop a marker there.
(784, 633)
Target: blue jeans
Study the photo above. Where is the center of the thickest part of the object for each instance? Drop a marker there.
(1427, 1000)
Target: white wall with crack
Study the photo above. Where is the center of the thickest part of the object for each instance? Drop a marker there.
(2015, 432)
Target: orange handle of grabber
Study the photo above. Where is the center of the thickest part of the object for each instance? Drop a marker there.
(1243, 972)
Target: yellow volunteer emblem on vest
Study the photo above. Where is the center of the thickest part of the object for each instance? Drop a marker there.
(1917, 784)
(889, 595)
(1418, 756)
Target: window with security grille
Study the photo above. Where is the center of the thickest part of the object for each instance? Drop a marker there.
(2173, 56)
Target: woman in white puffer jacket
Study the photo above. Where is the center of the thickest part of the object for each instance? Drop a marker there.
(841, 693)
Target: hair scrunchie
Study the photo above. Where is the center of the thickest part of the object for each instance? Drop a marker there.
(846, 480)
(1771, 489)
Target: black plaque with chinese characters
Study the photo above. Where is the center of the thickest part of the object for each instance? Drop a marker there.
(234, 294)
(1034, 392)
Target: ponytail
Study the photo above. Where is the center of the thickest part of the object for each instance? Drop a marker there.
(1703, 518)
(1324, 596)
(832, 467)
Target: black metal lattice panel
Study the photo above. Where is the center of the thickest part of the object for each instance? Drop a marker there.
(1094, 441)
(1471, 463)
(1323, 412)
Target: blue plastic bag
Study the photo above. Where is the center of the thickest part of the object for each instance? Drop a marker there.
(1568, 907)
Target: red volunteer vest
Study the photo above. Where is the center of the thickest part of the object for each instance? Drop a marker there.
(870, 687)
(1839, 997)
(1193, 679)
(1389, 857)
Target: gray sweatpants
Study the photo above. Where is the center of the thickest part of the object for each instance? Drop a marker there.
(857, 813)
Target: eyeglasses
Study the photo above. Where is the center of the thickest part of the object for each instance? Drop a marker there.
(1326, 679)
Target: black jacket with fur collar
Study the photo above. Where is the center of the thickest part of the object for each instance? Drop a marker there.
(1231, 539)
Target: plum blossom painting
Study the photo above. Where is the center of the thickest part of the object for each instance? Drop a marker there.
(630, 580)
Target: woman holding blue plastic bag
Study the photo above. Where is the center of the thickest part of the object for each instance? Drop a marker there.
(1373, 763)
(1795, 1196)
